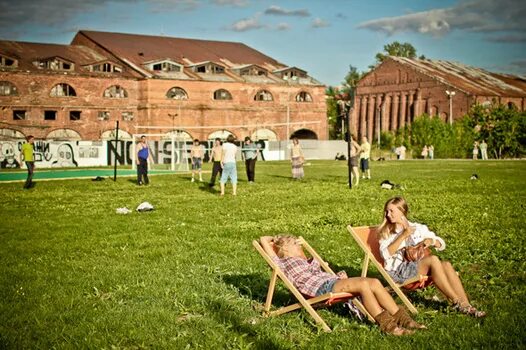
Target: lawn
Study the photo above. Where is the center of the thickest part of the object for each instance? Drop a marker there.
(75, 274)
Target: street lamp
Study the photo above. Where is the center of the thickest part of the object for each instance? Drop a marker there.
(450, 95)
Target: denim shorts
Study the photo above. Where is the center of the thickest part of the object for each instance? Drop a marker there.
(326, 287)
(196, 163)
(229, 171)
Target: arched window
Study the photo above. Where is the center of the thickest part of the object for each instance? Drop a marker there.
(7, 89)
(303, 97)
(264, 134)
(176, 93)
(263, 95)
(64, 134)
(304, 134)
(115, 91)
(110, 135)
(62, 90)
(222, 134)
(222, 94)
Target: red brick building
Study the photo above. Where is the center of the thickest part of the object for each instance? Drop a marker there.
(400, 89)
(200, 88)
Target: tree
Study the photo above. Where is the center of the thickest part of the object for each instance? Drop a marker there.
(395, 49)
(351, 80)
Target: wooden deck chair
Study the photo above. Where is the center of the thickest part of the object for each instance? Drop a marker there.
(306, 302)
(366, 238)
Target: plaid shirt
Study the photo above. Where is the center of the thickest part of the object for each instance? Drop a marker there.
(306, 275)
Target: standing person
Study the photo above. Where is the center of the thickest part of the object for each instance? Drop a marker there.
(431, 151)
(307, 276)
(364, 158)
(484, 150)
(425, 151)
(355, 155)
(215, 158)
(196, 153)
(402, 152)
(250, 154)
(27, 156)
(143, 155)
(396, 233)
(297, 159)
(228, 163)
(475, 150)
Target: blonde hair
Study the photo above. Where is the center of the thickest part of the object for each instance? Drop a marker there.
(280, 242)
(386, 228)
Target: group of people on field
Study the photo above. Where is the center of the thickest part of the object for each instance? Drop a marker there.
(395, 234)
(360, 153)
(223, 157)
(483, 148)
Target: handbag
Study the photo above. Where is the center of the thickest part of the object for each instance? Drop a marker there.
(416, 252)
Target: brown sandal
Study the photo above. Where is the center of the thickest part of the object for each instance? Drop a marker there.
(469, 310)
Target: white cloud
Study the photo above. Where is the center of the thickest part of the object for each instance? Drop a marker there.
(319, 23)
(237, 3)
(278, 11)
(247, 24)
(283, 26)
(485, 16)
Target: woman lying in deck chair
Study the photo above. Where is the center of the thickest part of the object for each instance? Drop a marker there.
(310, 280)
(397, 233)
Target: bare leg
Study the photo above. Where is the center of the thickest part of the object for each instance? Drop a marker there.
(222, 186)
(455, 282)
(433, 265)
(234, 189)
(356, 175)
(375, 297)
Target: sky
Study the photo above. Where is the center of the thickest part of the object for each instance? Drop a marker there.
(323, 37)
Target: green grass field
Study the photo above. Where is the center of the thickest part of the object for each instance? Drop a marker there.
(75, 274)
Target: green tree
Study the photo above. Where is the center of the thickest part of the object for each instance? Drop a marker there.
(332, 112)
(351, 80)
(395, 49)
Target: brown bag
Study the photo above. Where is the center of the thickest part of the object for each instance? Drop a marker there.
(416, 252)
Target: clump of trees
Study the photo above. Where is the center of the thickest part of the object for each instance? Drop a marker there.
(503, 128)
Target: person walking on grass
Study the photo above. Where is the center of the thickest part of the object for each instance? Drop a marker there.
(196, 154)
(27, 156)
(364, 158)
(483, 150)
(307, 276)
(355, 155)
(297, 159)
(215, 158)
(396, 233)
(250, 154)
(143, 155)
(228, 163)
(431, 151)
(475, 150)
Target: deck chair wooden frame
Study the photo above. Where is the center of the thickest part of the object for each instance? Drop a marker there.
(366, 238)
(310, 303)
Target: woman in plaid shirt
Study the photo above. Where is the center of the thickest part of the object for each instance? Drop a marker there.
(307, 276)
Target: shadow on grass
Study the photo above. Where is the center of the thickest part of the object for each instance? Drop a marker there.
(255, 286)
(205, 187)
(226, 313)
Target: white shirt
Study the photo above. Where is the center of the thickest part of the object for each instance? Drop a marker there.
(392, 262)
(229, 152)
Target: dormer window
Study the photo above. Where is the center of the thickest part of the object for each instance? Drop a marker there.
(105, 67)
(166, 67)
(55, 63)
(6, 62)
(290, 73)
(209, 67)
(252, 70)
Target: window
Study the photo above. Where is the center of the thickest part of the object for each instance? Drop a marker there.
(103, 115)
(200, 69)
(303, 97)
(63, 90)
(263, 95)
(106, 68)
(252, 70)
(115, 91)
(7, 89)
(50, 115)
(166, 67)
(54, 64)
(19, 115)
(222, 94)
(74, 115)
(7, 62)
(176, 93)
(209, 68)
(127, 116)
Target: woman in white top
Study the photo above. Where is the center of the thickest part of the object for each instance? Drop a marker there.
(396, 233)
(228, 163)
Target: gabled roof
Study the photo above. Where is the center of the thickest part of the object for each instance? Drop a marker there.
(145, 48)
(26, 53)
(471, 80)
